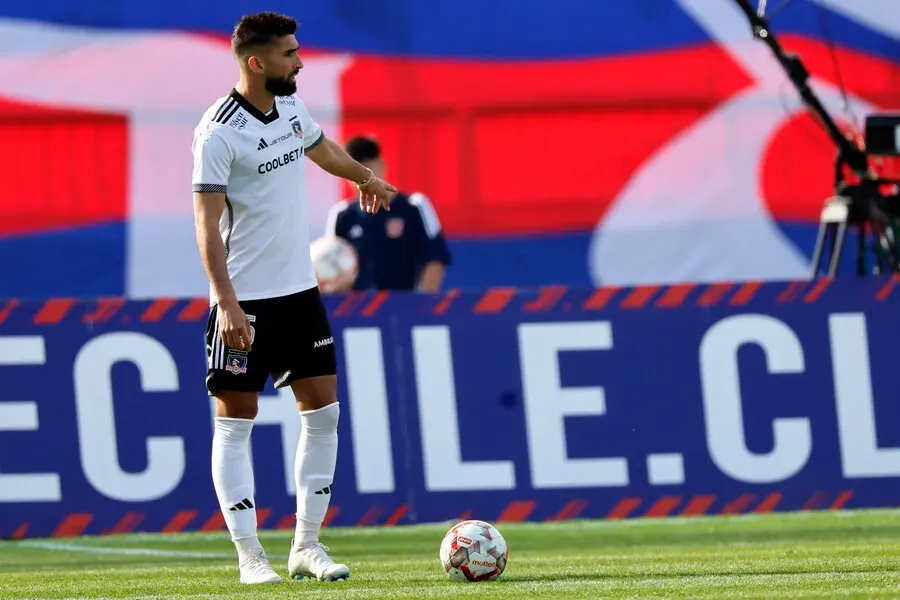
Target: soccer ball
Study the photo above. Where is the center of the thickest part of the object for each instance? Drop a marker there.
(473, 551)
(335, 262)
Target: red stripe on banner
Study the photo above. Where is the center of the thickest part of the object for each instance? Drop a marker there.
(20, 532)
(157, 311)
(330, 514)
(370, 518)
(790, 292)
(287, 522)
(397, 515)
(663, 507)
(741, 504)
(675, 295)
(571, 510)
(128, 523)
(495, 300)
(842, 500)
(639, 297)
(768, 504)
(215, 523)
(625, 507)
(262, 515)
(817, 290)
(466, 515)
(713, 294)
(517, 511)
(885, 292)
(180, 521)
(7, 308)
(815, 501)
(376, 303)
(547, 298)
(106, 310)
(196, 310)
(53, 311)
(73, 525)
(350, 303)
(444, 305)
(746, 293)
(698, 505)
(600, 298)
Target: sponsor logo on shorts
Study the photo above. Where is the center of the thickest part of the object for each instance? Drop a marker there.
(236, 363)
(324, 342)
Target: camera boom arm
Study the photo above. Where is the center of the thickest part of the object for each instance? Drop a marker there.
(796, 70)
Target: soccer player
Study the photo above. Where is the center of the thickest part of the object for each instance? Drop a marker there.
(401, 250)
(267, 317)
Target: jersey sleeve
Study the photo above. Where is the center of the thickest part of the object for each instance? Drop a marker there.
(213, 157)
(312, 133)
(435, 247)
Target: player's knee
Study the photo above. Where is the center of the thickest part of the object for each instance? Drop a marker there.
(315, 392)
(237, 405)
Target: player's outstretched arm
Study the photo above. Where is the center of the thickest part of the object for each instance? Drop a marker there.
(233, 323)
(374, 193)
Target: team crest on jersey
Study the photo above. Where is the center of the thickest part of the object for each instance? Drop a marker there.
(236, 363)
(394, 227)
(298, 129)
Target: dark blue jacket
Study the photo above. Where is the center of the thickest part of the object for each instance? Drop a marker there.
(393, 246)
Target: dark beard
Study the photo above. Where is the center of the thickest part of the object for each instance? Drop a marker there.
(281, 86)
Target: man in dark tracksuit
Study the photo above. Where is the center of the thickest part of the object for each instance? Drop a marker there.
(400, 249)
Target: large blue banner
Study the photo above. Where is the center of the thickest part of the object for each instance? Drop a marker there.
(504, 405)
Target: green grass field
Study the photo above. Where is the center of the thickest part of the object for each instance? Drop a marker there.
(853, 554)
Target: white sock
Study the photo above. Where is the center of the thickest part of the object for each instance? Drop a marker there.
(314, 470)
(232, 475)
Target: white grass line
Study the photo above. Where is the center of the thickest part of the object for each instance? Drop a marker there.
(66, 547)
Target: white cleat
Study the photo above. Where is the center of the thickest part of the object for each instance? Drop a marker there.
(311, 561)
(255, 567)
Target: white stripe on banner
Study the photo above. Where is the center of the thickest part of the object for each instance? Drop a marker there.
(880, 15)
(429, 217)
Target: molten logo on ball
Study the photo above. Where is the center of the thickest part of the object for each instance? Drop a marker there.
(473, 551)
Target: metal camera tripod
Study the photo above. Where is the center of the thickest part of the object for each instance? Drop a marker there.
(861, 206)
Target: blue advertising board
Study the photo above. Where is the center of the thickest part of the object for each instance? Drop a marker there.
(505, 405)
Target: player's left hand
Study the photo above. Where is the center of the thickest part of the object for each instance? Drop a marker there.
(376, 194)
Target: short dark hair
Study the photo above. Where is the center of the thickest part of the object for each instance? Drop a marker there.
(260, 29)
(363, 147)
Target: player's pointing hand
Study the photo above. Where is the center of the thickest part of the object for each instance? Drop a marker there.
(375, 193)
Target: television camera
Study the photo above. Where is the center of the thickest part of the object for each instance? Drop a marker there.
(865, 201)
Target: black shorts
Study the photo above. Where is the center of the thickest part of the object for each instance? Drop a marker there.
(291, 339)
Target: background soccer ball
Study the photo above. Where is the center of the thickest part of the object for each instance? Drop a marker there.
(473, 551)
(335, 262)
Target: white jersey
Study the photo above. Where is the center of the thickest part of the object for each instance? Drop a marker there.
(256, 160)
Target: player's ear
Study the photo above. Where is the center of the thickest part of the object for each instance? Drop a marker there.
(255, 64)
